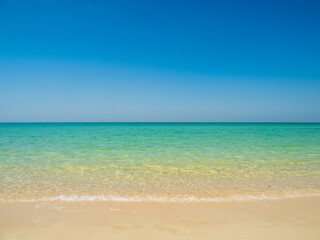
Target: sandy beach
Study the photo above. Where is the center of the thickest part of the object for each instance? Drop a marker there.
(267, 219)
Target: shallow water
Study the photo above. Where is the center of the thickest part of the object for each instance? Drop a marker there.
(158, 161)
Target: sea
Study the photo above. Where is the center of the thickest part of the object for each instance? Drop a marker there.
(159, 162)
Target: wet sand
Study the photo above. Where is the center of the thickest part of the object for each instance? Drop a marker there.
(267, 219)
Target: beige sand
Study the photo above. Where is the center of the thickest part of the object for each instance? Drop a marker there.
(275, 219)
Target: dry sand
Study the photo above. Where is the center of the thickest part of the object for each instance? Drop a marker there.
(267, 219)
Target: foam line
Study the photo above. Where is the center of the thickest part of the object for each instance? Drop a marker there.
(115, 198)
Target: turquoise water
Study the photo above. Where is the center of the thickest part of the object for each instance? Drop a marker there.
(158, 161)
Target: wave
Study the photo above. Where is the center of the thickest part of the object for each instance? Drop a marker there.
(115, 198)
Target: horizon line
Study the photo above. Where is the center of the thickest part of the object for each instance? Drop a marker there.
(162, 122)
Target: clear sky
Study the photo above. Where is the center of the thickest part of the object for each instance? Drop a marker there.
(159, 60)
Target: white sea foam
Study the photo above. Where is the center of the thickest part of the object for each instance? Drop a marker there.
(115, 198)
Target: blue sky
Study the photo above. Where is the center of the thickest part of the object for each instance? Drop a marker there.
(159, 60)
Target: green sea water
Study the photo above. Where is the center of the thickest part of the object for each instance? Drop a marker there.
(158, 161)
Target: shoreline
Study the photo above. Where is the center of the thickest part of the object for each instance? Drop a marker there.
(297, 218)
(159, 199)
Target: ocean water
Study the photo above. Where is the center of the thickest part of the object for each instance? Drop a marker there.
(158, 161)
